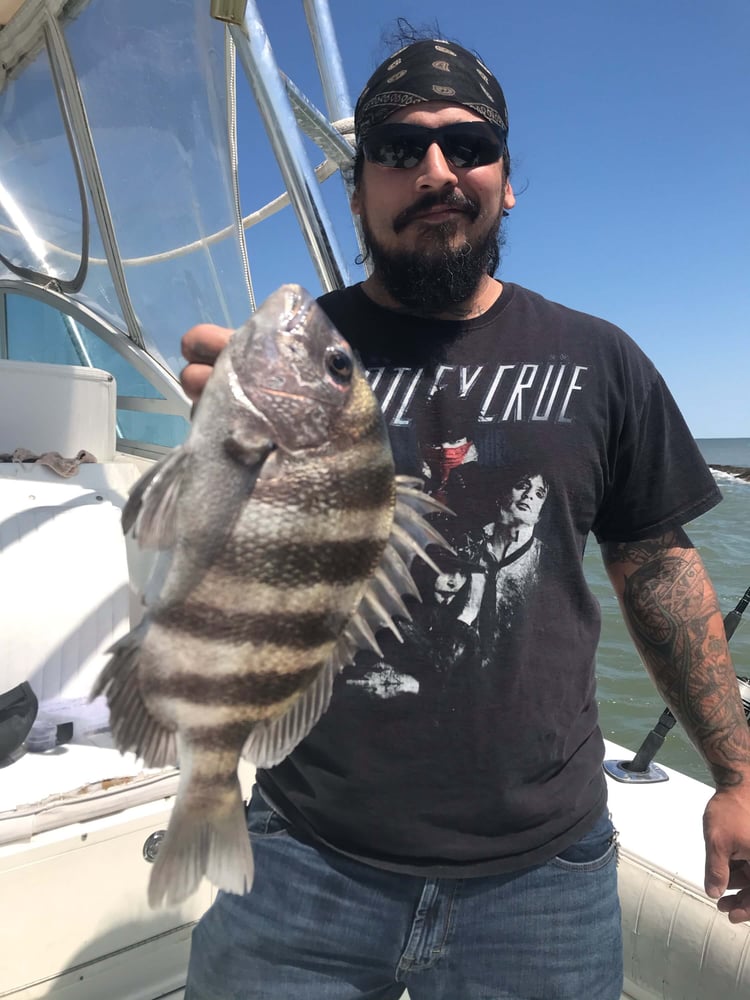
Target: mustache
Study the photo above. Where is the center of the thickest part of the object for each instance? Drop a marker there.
(450, 199)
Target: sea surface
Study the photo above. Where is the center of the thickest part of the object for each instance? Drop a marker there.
(628, 703)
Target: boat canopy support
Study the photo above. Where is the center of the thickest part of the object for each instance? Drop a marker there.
(257, 60)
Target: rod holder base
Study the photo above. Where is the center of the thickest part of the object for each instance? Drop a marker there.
(616, 769)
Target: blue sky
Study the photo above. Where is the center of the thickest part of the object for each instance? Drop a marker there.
(630, 139)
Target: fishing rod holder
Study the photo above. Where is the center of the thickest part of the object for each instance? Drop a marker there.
(619, 770)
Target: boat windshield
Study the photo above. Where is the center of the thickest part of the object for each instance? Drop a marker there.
(154, 250)
(156, 108)
(120, 216)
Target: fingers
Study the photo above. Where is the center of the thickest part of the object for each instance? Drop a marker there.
(717, 873)
(193, 378)
(736, 907)
(202, 343)
(201, 346)
(720, 843)
(726, 829)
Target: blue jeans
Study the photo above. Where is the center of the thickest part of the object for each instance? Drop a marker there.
(319, 926)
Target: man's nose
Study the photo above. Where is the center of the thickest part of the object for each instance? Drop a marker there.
(435, 171)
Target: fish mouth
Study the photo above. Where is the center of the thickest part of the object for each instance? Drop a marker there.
(298, 305)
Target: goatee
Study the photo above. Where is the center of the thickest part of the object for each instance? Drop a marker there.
(438, 277)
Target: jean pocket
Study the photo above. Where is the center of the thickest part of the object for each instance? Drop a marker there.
(262, 818)
(593, 851)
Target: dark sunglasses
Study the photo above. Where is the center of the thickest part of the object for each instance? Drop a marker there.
(464, 144)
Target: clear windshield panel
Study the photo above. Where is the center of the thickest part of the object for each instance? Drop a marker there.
(38, 332)
(153, 81)
(40, 203)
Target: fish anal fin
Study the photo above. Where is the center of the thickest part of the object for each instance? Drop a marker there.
(132, 724)
(270, 742)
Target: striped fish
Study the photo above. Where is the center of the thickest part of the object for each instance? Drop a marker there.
(290, 539)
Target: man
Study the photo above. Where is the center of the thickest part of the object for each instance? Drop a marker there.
(460, 845)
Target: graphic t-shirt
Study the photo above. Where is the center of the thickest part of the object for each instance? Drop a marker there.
(473, 747)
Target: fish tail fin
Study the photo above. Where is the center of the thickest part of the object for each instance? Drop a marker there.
(132, 724)
(208, 840)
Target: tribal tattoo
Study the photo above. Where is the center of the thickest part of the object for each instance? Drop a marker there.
(671, 610)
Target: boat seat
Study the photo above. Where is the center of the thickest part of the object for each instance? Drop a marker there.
(70, 586)
(63, 408)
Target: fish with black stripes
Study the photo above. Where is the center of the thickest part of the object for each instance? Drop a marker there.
(290, 541)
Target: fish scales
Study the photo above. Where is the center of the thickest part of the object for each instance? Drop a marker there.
(333, 561)
(197, 653)
(246, 692)
(290, 538)
(235, 628)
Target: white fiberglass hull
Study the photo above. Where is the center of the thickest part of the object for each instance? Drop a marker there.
(77, 924)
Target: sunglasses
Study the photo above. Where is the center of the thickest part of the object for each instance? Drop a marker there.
(464, 144)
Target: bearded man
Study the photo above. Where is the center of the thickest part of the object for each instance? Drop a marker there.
(454, 839)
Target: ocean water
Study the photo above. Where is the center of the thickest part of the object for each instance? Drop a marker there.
(628, 703)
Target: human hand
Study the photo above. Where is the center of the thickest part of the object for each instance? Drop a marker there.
(201, 346)
(726, 828)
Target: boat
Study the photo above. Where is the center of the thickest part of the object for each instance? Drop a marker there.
(121, 226)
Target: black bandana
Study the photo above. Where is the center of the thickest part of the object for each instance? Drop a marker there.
(429, 70)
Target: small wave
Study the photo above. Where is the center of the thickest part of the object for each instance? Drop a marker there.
(731, 473)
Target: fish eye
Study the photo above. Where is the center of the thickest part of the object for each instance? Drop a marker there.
(339, 364)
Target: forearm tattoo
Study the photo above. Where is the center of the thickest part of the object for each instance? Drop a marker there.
(671, 610)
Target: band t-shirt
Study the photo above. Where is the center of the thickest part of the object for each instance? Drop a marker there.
(473, 746)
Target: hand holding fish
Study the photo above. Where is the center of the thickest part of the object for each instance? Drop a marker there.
(291, 539)
(201, 346)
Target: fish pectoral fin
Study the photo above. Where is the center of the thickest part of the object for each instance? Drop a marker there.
(270, 742)
(133, 726)
(244, 444)
(204, 838)
(150, 508)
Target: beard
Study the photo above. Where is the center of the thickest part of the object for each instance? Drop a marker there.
(437, 277)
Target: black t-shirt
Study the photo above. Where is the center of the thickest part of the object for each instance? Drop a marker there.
(473, 747)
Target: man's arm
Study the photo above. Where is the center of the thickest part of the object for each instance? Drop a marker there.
(672, 613)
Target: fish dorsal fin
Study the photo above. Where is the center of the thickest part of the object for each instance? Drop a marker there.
(381, 601)
(150, 508)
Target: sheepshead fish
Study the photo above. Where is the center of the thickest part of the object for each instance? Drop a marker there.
(291, 539)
